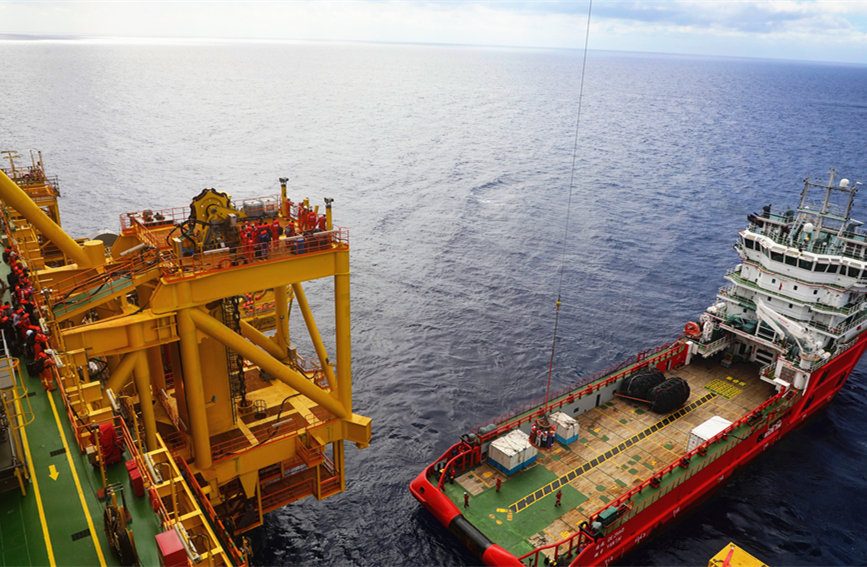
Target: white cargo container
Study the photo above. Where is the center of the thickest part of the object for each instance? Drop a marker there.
(705, 431)
(565, 427)
(512, 452)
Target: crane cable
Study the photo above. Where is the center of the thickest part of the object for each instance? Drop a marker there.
(569, 201)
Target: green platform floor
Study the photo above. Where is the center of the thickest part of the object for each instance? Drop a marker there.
(71, 539)
(489, 510)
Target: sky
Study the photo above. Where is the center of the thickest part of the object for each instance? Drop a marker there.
(816, 30)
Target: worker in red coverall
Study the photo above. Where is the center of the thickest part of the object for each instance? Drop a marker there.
(466, 499)
(47, 375)
(559, 496)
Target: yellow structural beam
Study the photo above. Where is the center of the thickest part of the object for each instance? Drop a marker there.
(315, 337)
(265, 361)
(114, 335)
(16, 198)
(249, 278)
(122, 372)
(143, 386)
(281, 314)
(262, 340)
(342, 330)
(193, 387)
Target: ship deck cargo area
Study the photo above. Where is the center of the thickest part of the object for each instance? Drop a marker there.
(621, 444)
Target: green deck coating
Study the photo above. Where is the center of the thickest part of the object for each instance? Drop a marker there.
(96, 296)
(525, 504)
(488, 511)
(21, 538)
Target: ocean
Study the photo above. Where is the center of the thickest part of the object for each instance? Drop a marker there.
(451, 167)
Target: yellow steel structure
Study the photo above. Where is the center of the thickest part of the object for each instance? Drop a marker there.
(186, 321)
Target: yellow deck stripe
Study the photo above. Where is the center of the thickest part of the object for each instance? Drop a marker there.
(604, 456)
(39, 507)
(77, 483)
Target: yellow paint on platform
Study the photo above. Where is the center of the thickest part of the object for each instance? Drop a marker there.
(487, 474)
(90, 527)
(38, 494)
(502, 510)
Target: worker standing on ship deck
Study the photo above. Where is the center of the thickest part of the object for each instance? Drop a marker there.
(466, 499)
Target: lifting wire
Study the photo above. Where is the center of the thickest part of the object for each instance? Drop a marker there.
(569, 203)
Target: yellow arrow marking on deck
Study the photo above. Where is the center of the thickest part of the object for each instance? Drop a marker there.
(52, 472)
(96, 544)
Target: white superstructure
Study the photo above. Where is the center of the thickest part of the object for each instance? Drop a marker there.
(798, 295)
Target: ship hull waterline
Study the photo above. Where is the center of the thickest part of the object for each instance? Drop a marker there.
(668, 508)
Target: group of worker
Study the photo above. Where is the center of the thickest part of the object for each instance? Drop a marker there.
(257, 237)
(19, 320)
(260, 237)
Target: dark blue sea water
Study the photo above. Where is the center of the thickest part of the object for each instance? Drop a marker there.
(451, 167)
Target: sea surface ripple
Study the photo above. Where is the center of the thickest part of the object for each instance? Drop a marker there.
(451, 166)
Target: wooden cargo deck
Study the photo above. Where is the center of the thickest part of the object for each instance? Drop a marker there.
(621, 444)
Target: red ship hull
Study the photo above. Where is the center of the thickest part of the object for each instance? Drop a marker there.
(582, 548)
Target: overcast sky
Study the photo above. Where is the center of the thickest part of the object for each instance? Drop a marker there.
(822, 30)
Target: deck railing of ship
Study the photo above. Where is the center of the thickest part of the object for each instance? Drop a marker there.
(626, 505)
(560, 398)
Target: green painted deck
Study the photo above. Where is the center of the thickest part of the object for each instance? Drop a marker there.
(620, 445)
(63, 534)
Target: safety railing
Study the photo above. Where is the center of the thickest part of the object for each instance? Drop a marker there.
(238, 444)
(153, 218)
(628, 506)
(560, 397)
(239, 559)
(749, 421)
(224, 259)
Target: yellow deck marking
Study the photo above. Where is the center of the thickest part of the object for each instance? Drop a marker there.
(651, 440)
(39, 507)
(52, 472)
(728, 390)
(551, 487)
(93, 534)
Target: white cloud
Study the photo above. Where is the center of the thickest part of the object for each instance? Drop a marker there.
(822, 29)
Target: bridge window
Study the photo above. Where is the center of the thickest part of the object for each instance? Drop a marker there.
(791, 260)
(805, 264)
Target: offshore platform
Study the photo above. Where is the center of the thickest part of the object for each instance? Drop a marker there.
(169, 347)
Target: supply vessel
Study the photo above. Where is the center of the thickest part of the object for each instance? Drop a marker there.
(154, 406)
(588, 473)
